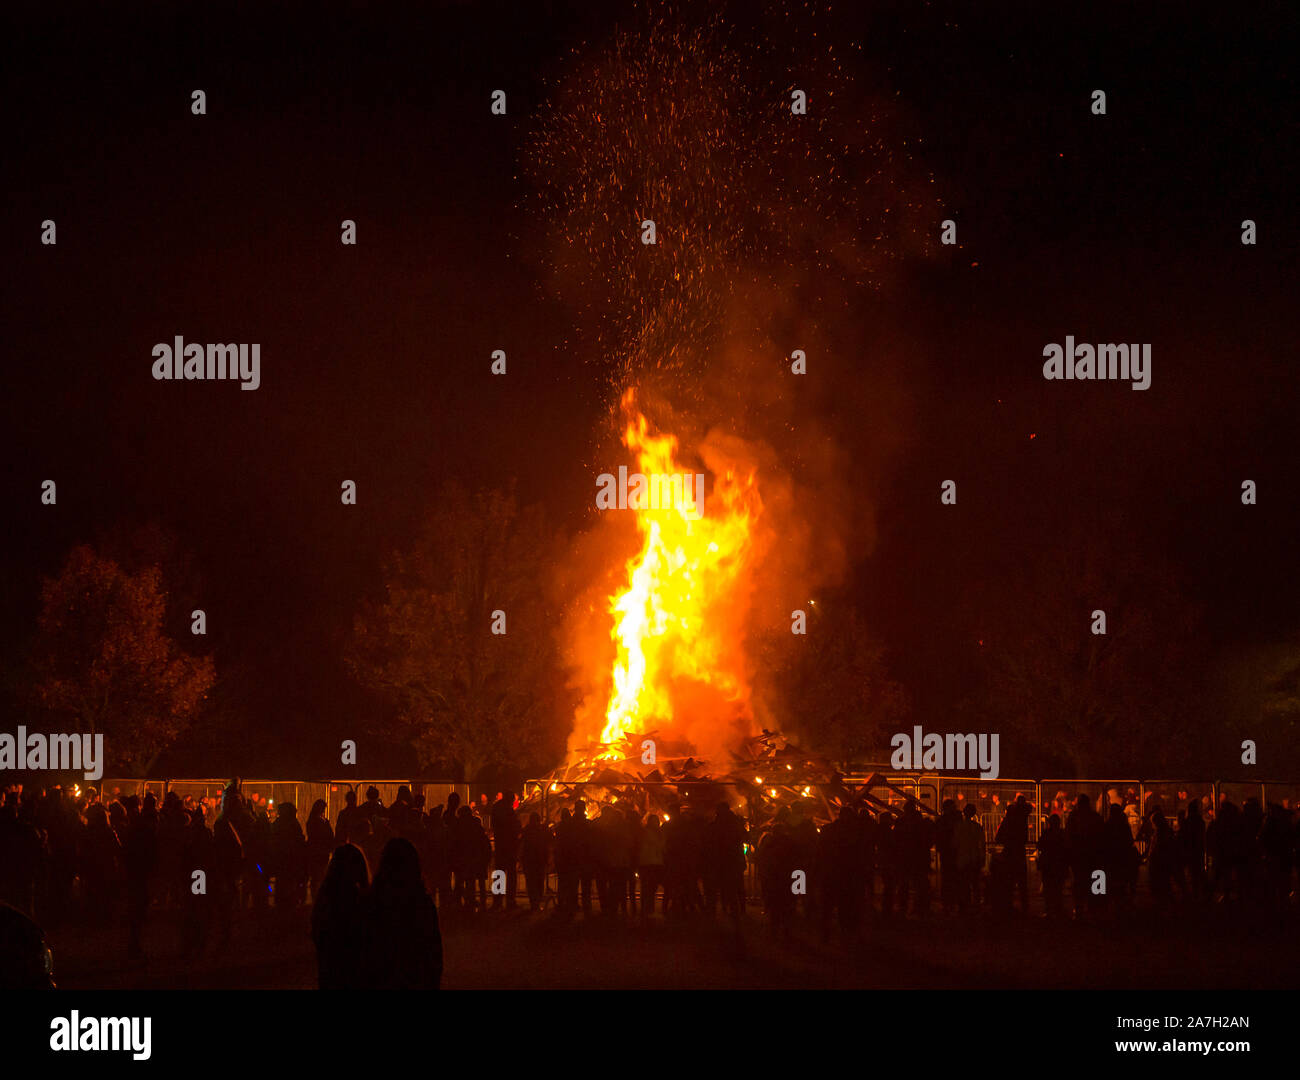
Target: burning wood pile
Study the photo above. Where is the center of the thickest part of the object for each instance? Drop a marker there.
(767, 773)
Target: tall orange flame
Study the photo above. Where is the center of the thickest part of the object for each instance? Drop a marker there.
(675, 625)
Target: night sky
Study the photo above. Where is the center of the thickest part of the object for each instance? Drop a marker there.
(225, 227)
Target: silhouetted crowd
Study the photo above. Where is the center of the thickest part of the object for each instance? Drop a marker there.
(67, 855)
(890, 861)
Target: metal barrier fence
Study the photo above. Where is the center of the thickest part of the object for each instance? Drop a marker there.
(302, 793)
(991, 797)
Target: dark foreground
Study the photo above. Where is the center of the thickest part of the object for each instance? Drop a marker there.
(1209, 948)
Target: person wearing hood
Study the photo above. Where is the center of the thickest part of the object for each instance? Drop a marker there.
(288, 857)
(337, 920)
(320, 843)
(401, 940)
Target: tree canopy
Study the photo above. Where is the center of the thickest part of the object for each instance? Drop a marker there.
(468, 698)
(102, 658)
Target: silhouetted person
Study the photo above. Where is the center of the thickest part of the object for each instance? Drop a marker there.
(197, 854)
(505, 846)
(401, 815)
(1191, 836)
(434, 857)
(140, 859)
(866, 860)
(971, 852)
(320, 844)
(173, 837)
(1275, 849)
(650, 863)
(402, 945)
(117, 818)
(21, 854)
(57, 818)
(634, 831)
(1250, 824)
(23, 952)
(1164, 860)
(337, 920)
(1013, 835)
(585, 845)
(614, 845)
(945, 842)
(1084, 840)
(1225, 843)
(472, 852)
(347, 817)
(835, 874)
(677, 863)
(887, 861)
(365, 837)
(803, 834)
(101, 855)
(452, 808)
(257, 852)
(227, 862)
(567, 859)
(372, 808)
(533, 856)
(454, 885)
(1119, 857)
(1054, 865)
(287, 857)
(775, 866)
(914, 837)
(631, 832)
(725, 852)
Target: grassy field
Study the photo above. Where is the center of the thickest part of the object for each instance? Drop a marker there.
(1211, 947)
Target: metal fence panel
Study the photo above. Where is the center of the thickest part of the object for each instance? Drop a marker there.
(1287, 795)
(1238, 791)
(990, 799)
(1172, 796)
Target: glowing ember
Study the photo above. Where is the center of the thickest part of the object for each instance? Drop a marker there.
(674, 652)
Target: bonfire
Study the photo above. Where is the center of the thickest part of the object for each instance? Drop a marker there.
(679, 680)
